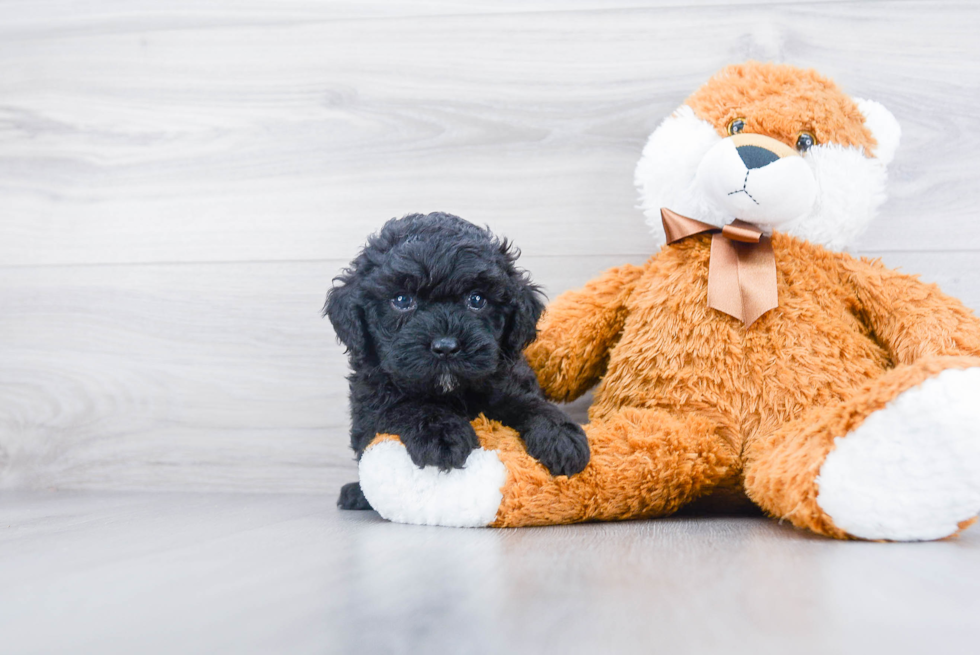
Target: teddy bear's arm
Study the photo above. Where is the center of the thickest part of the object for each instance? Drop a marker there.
(577, 331)
(911, 318)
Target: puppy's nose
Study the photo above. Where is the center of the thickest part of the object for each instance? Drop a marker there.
(756, 156)
(445, 346)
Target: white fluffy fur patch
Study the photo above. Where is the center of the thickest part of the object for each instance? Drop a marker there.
(850, 186)
(911, 471)
(666, 172)
(402, 492)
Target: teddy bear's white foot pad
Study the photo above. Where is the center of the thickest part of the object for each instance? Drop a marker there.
(402, 492)
(911, 471)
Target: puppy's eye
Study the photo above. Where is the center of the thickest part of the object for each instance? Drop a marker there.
(403, 302)
(805, 141)
(476, 301)
(736, 125)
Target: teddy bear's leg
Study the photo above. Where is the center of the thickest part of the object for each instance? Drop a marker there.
(645, 462)
(899, 460)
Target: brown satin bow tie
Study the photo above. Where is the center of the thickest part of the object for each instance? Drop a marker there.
(742, 269)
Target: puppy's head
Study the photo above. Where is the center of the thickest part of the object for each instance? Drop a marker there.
(435, 302)
(774, 145)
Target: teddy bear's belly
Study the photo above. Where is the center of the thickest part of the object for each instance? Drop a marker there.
(694, 359)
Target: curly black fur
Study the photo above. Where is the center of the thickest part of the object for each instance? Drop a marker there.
(435, 316)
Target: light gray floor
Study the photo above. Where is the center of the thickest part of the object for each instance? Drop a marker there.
(106, 572)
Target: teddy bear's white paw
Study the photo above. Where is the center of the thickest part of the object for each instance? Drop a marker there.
(402, 492)
(911, 471)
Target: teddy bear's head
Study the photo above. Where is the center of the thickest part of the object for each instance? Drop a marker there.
(774, 145)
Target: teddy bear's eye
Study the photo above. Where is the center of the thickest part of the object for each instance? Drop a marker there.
(476, 301)
(736, 125)
(403, 302)
(805, 141)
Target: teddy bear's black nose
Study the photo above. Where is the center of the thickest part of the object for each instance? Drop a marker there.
(756, 156)
(445, 346)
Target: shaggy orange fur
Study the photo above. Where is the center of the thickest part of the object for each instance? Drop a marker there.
(848, 336)
(782, 101)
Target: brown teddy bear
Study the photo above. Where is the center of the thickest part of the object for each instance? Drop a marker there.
(748, 359)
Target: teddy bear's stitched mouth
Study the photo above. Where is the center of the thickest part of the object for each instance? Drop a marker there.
(743, 189)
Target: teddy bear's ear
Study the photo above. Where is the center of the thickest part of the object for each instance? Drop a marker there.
(884, 128)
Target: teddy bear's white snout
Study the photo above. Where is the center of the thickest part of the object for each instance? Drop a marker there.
(757, 179)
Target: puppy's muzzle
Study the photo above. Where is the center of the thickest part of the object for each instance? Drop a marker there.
(445, 347)
(757, 179)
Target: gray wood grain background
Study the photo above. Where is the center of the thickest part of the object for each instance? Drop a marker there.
(179, 181)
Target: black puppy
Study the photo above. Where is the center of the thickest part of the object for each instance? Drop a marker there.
(435, 317)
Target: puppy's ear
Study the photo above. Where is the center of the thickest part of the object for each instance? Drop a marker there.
(345, 311)
(523, 321)
(527, 307)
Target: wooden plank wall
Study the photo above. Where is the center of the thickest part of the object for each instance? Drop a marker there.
(179, 181)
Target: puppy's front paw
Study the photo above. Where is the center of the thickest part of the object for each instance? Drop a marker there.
(444, 441)
(560, 445)
(351, 497)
